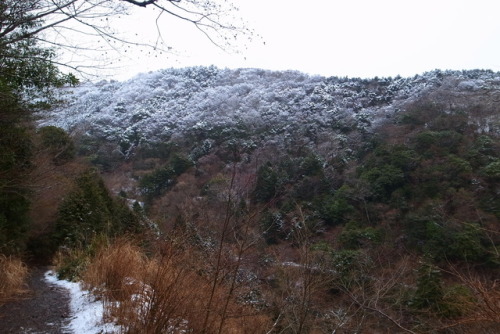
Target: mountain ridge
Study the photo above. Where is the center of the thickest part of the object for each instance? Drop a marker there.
(381, 193)
(168, 103)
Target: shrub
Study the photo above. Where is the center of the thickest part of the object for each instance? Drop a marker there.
(457, 301)
(335, 209)
(70, 263)
(427, 234)
(354, 236)
(402, 157)
(89, 210)
(310, 187)
(466, 243)
(58, 142)
(421, 112)
(311, 165)
(160, 150)
(164, 293)
(485, 145)
(15, 163)
(437, 143)
(350, 267)
(429, 293)
(384, 180)
(113, 270)
(13, 274)
(180, 164)
(266, 186)
(14, 222)
(273, 227)
(441, 239)
(157, 182)
(492, 170)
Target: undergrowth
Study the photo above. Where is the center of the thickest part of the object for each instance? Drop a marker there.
(164, 292)
(13, 274)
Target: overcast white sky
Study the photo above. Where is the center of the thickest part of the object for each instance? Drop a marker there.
(355, 38)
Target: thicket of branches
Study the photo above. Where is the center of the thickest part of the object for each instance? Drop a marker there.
(47, 27)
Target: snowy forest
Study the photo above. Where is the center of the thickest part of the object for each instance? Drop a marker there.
(215, 200)
(253, 201)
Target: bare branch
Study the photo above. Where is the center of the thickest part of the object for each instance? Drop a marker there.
(50, 22)
(141, 3)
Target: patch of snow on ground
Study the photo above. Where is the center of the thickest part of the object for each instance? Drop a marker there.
(86, 312)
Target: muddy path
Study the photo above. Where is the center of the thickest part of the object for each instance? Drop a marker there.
(44, 309)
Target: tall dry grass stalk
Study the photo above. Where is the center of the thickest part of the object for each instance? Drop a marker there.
(113, 269)
(13, 274)
(164, 293)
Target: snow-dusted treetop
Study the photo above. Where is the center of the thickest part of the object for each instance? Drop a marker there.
(170, 103)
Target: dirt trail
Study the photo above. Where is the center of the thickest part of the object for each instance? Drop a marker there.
(45, 309)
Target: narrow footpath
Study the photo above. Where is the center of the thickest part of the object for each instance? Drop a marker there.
(43, 310)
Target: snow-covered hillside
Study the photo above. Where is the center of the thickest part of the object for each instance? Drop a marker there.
(207, 102)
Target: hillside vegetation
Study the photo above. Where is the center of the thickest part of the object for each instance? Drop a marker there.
(251, 201)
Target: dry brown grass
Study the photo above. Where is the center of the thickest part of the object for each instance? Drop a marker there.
(13, 274)
(164, 293)
(113, 268)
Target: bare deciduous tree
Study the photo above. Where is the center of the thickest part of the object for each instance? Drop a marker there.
(63, 24)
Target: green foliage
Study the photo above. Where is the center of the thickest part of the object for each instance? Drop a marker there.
(161, 150)
(311, 165)
(14, 222)
(422, 112)
(457, 301)
(72, 262)
(354, 236)
(201, 150)
(457, 120)
(466, 243)
(26, 66)
(58, 142)
(29, 68)
(388, 169)
(107, 157)
(457, 169)
(350, 267)
(344, 260)
(89, 210)
(441, 239)
(437, 143)
(486, 145)
(266, 187)
(430, 292)
(335, 209)
(322, 246)
(273, 227)
(427, 233)
(180, 164)
(305, 176)
(397, 156)
(16, 150)
(310, 187)
(492, 170)
(483, 151)
(384, 180)
(157, 182)
(489, 202)
(436, 176)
